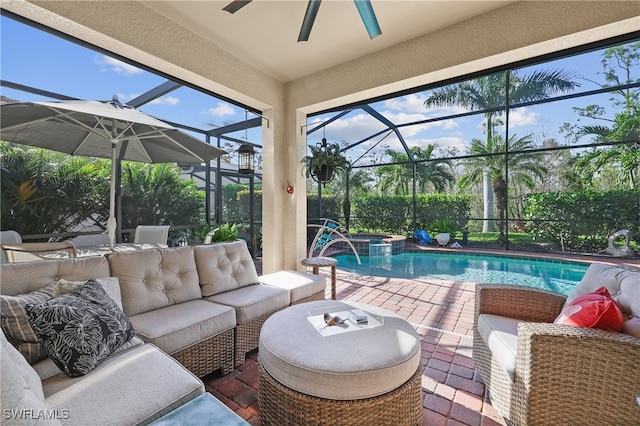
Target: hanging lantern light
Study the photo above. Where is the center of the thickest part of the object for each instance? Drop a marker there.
(246, 155)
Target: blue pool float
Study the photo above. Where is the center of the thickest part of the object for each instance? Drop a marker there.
(423, 237)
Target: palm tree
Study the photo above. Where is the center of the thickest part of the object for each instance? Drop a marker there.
(489, 159)
(619, 63)
(397, 177)
(490, 92)
(624, 158)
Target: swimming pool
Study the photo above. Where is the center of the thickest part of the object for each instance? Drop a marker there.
(557, 276)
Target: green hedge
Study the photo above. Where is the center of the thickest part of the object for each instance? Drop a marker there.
(331, 207)
(390, 214)
(582, 220)
(394, 214)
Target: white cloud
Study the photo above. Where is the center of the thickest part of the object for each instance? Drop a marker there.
(221, 109)
(109, 64)
(166, 100)
(522, 117)
(409, 103)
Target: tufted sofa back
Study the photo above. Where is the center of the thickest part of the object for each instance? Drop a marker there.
(152, 279)
(25, 277)
(224, 266)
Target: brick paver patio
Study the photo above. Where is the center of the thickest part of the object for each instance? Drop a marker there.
(440, 311)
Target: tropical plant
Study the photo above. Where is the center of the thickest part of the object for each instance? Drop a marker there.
(488, 93)
(44, 192)
(325, 159)
(396, 178)
(624, 159)
(489, 159)
(156, 194)
(226, 232)
(443, 226)
(359, 183)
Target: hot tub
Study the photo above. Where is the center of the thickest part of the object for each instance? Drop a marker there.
(375, 244)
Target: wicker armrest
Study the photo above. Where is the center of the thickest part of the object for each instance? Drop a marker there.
(567, 372)
(516, 301)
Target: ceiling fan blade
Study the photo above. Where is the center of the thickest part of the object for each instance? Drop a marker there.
(309, 18)
(368, 17)
(236, 5)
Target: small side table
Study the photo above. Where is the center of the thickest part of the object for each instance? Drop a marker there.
(320, 262)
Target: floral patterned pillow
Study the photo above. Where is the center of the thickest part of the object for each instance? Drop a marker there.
(80, 329)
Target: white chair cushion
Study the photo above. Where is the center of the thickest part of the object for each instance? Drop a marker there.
(623, 285)
(300, 285)
(500, 334)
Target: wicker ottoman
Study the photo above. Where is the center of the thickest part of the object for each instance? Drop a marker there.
(363, 377)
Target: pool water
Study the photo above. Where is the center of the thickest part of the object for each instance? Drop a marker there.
(557, 276)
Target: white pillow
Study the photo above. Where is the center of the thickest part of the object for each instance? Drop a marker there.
(111, 286)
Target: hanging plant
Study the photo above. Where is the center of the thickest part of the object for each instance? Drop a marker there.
(324, 161)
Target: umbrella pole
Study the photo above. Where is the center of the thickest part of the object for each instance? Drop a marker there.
(111, 222)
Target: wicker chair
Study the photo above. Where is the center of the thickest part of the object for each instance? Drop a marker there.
(563, 374)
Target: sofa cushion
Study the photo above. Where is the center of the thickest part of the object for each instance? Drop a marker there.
(224, 266)
(631, 326)
(22, 396)
(111, 286)
(153, 279)
(48, 370)
(593, 310)
(134, 387)
(253, 301)
(622, 284)
(81, 329)
(24, 277)
(15, 323)
(500, 334)
(182, 325)
(299, 285)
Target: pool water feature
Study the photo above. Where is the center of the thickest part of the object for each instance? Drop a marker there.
(557, 276)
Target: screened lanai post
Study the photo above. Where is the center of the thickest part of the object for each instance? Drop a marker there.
(319, 200)
(346, 204)
(504, 212)
(252, 228)
(414, 198)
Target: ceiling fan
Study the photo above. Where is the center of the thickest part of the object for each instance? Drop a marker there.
(364, 8)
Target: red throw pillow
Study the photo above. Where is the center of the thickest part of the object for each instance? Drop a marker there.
(593, 310)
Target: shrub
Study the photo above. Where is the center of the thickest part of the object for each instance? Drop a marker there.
(582, 220)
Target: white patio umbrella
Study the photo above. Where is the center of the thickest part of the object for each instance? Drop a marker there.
(105, 129)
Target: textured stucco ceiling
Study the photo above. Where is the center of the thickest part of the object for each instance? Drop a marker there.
(264, 33)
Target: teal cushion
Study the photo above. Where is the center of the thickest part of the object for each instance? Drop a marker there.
(203, 410)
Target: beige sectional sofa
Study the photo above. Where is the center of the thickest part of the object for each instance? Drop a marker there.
(203, 305)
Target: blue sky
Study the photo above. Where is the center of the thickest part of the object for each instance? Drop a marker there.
(35, 58)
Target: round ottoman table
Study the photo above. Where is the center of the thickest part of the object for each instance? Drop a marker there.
(353, 374)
